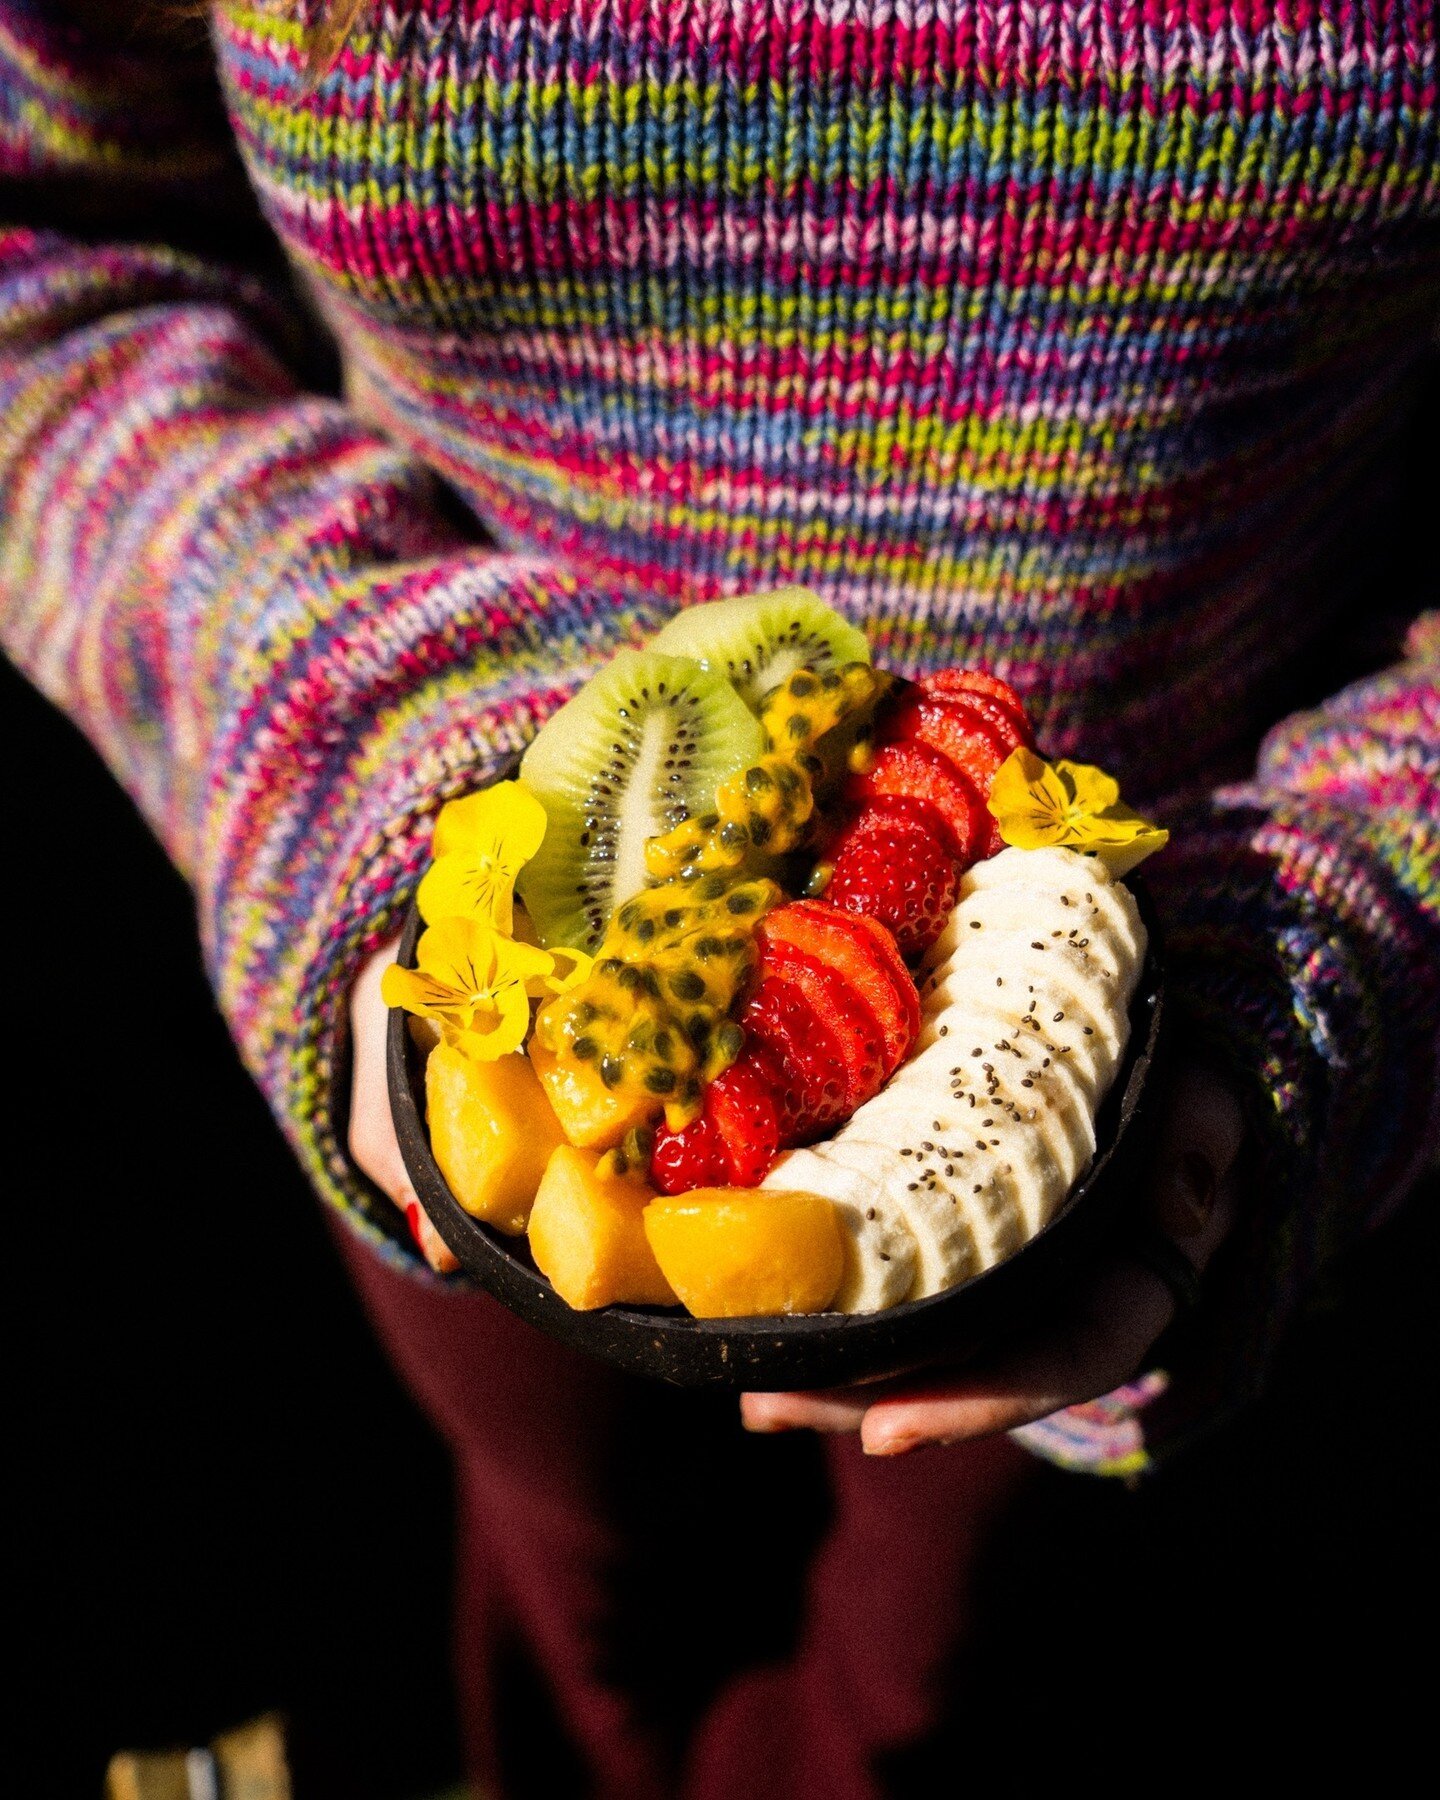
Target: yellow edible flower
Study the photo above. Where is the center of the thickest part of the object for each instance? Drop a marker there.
(1036, 803)
(481, 844)
(475, 983)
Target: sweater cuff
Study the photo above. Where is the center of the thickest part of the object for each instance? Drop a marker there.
(319, 822)
(1296, 965)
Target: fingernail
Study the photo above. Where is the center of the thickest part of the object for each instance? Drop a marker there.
(412, 1219)
(1186, 1196)
(890, 1446)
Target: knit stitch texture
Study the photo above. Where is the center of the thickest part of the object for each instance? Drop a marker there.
(1061, 336)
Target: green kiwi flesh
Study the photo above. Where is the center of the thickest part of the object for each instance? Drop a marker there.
(641, 747)
(759, 640)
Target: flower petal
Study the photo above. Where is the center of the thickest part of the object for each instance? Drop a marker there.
(500, 1030)
(521, 962)
(507, 815)
(461, 954)
(1120, 858)
(464, 885)
(571, 967)
(417, 993)
(1092, 788)
(1027, 801)
(1074, 804)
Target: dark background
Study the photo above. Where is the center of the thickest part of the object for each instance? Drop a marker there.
(221, 1501)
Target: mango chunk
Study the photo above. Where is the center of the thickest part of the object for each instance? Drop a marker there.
(592, 1116)
(587, 1235)
(733, 1252)
(492, 1131)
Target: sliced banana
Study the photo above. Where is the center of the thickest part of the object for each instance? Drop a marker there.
(1021, 1147)
(1082, 889)
(978, 1138)
(1055, 1018)
(880, 1253)
(945, 1230)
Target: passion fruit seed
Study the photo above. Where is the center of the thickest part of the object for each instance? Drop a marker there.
(667, 976)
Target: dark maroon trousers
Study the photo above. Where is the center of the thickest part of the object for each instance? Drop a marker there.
(649, 1603)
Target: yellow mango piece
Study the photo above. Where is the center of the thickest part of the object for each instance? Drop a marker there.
(733, 1252)
(592, 1116)
(492, 1131)
(587, 1235)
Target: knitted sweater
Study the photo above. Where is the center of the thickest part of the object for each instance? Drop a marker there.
(1057, 335)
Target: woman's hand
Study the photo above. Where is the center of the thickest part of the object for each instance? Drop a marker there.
(372, 1132)
(1100, 1338)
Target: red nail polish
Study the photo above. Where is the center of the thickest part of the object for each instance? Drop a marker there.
(412, 1218)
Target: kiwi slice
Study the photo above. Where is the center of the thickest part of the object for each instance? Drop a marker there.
(757, 640)
(639, 749)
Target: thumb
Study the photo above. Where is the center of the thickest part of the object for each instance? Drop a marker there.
(373, 1143)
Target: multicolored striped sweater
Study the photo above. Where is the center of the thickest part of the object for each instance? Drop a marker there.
(1059, 335)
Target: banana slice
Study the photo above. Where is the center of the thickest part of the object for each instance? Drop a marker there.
(979, 1137)
(1090, 901)
(946, 1231)
(1006, 928)
(880, 1253)
(1054, 1019)
(1016, 1150)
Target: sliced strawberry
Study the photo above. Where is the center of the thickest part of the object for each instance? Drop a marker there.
(918, 772)
(841, 942)
(742, 1104)
(900, 977)
(955, 728)
(694, 1157)
(901, 875)
(892, 810)
(999, 699)
(856, 1033)
(814, 1080)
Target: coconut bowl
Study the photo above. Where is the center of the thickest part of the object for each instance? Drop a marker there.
(816, 1350)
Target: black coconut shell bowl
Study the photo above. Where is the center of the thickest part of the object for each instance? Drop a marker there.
(815, 1350)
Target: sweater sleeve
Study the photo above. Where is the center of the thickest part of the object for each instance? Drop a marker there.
(1303, 932)
(264, 616)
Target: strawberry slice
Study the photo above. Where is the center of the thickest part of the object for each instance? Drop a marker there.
(997, 698)
(814, 1081)
(918, 772)
(901, 979)
(954, 727)
(957, 728)
(694, 1157)
(840, 941)
(856, 1033)
(900, 874)
(742, 1104)
(891, 812)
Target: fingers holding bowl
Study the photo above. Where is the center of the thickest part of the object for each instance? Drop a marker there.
(1100, 1338)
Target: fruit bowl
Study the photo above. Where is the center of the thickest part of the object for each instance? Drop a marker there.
(811, 1350)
